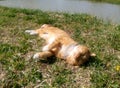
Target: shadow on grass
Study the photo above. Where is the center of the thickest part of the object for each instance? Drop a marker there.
(94, 62)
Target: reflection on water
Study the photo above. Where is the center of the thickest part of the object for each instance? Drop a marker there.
(102, 10)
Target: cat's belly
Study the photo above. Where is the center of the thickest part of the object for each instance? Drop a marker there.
(69, 50)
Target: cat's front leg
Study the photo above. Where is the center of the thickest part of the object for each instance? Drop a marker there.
(42, 54)
(48, 47)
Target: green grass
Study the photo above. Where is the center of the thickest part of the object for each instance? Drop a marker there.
(18, 69)
(108, 1)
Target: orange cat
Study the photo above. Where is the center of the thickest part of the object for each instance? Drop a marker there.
(60, 44)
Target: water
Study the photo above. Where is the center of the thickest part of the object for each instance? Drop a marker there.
(108, 12)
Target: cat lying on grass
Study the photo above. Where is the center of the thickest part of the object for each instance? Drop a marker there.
(60, 44)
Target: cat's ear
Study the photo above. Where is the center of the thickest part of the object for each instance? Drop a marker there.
(31, 32)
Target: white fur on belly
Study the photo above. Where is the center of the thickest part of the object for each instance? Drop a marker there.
(73, 51)
(69, 50)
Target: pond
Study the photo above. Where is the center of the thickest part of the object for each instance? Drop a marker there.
(108, 12)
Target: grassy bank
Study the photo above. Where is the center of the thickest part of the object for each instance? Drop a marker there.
(18, 69)
(109, 1)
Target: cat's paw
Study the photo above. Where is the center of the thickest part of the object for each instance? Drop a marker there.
(31, 32)
(36, 56)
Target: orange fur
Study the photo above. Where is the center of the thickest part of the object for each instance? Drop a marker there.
(60, 44)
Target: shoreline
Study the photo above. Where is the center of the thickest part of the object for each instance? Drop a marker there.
(108, 1)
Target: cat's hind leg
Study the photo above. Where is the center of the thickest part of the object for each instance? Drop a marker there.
(31, 32)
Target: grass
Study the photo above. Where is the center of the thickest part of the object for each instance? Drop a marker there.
(109, 1)
(18, 69)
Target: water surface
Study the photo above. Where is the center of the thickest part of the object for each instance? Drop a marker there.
(102, 10)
